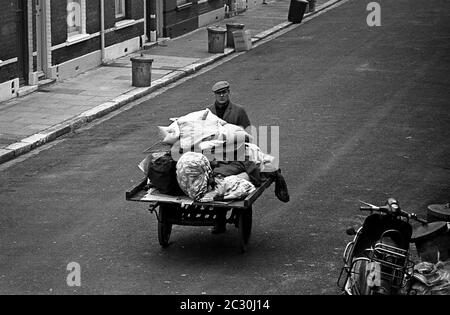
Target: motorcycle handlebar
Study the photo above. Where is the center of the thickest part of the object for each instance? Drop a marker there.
(387, 210)
(366, 208)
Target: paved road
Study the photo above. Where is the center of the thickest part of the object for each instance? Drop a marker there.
(363, 114)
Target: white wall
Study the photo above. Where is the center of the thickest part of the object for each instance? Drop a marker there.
(8, 89)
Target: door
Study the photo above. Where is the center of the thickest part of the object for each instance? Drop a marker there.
(155, 19)
(22, 44)
(159, 18)
(41, 38)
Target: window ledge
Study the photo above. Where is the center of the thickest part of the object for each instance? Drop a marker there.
(77, 38)
(202, 1)
(8, 61)
(184, 6)
(124, 23)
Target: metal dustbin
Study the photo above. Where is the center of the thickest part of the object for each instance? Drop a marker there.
(231, 27)
(216, 39)
(312, 5)
(297, 9)
(141, 70)
(436, 213)
(428, 240)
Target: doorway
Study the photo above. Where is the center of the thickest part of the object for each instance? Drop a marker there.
(155, 18)
(159, 18)
(22, 44)
(41, 38)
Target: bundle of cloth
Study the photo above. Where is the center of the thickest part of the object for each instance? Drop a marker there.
(204, 132)
(193, 174)
(233, 187)
(160, 170)
(431, 279)
(196, 179)
(214, 160)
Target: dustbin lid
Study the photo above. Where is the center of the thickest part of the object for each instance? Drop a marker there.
(428, 231)
(236, 25)
(142, 59)
(215, 29)
(441, 211)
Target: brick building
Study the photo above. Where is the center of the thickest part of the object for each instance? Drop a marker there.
(57, 39)
(182, 16)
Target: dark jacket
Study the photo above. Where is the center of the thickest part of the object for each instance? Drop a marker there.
(234, 114)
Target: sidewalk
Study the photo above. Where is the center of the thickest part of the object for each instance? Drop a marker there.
(42, 116)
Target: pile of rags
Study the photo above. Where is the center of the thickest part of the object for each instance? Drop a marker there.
(195, 177)
(205, 134)
(432, 279)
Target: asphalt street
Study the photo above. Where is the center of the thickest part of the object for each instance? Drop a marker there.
(363, 114)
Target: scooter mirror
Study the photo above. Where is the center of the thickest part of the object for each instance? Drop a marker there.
(393, 203)
(351, 231)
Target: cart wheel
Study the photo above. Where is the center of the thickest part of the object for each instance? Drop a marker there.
(164, 228)
(244, 228)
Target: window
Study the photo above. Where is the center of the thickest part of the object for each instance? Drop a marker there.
(123, 13)
(120, 9)
(76, 18)
(183, 4)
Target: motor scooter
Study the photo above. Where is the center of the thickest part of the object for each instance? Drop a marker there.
(377, 261)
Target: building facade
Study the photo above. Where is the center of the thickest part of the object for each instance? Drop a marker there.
(182, 16)
(56, 39)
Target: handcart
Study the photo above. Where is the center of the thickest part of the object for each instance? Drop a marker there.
(182, 210)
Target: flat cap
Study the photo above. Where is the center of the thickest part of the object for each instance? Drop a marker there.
(220, 86)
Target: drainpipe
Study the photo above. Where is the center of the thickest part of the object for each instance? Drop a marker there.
(102, 29)
(32, 79)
